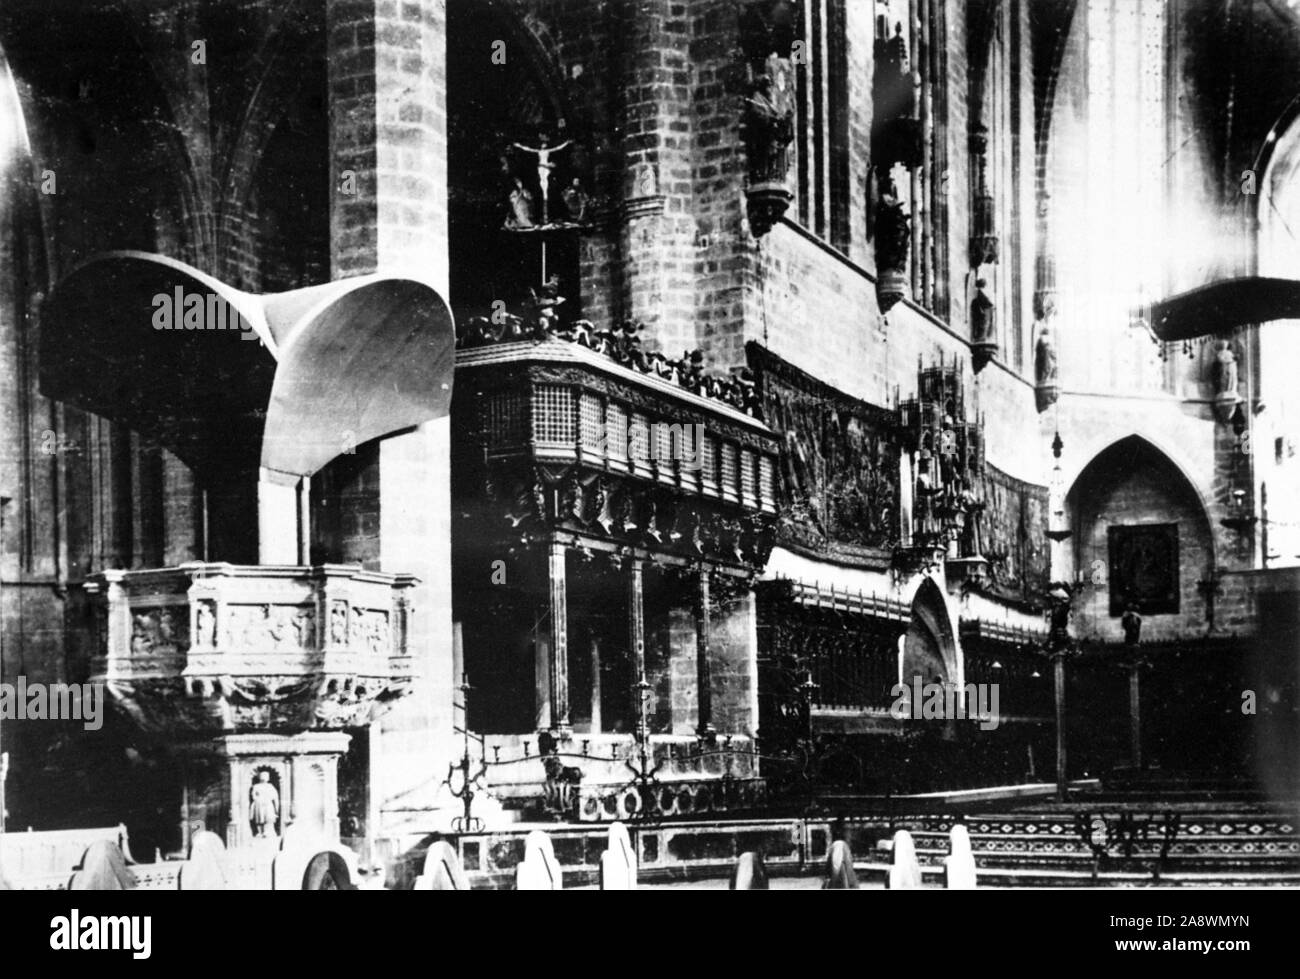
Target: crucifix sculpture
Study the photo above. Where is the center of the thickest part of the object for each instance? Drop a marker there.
(544, 168)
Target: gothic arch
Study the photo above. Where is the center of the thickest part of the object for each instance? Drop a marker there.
(929, 647)
(1143, 442)
(1137, 461)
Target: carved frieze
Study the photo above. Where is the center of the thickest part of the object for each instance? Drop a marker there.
(159, 631)
(271, 627)
(247, 651)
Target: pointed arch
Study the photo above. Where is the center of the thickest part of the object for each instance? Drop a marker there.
(929, 648)
(1142, 441)
(1142, 534)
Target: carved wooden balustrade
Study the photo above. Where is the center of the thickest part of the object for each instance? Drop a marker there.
(221, 647)
(561, 437)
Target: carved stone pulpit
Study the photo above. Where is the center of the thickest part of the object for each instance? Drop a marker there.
(253, 671)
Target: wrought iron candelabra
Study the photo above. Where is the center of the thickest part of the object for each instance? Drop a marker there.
(468, 823)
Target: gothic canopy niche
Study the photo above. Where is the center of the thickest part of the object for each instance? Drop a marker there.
(895, 142)
(230, 381)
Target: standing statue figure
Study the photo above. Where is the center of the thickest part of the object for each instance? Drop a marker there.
(575, 201)
(544, 168)
(1132, 626)
(768, 133)
(1225, 370)
(1045, 360)
(265, 806)
(520, 214)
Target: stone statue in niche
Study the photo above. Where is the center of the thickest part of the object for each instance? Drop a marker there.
(206, 628)
(983, 326)
(893, 235)
(304, 627)
(264, 804)
(768, 133)
(339, 624)
(1226, 395)
(1045, 360)
(1225, 370)
(1046, 386)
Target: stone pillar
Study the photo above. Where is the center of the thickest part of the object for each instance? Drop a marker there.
(559, 641)
(303, 489)
(542, 684)
(703, 668)
(279, 516)
(1135, 713)
(658, 233)
(636, 643)
(595, 687)
(1058, 673)
(388, 213)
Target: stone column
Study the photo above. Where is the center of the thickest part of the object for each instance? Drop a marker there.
(277, 518)
(1135, 713)
(388, 213)
(595, 686)
(658, 233)
(559, 641)
(636, 642)
(703, 668)
(1058, 673)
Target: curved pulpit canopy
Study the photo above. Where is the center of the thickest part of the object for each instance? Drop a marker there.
(229, 380)
(1220, 306)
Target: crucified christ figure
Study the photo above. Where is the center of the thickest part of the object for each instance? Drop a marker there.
(544, 168)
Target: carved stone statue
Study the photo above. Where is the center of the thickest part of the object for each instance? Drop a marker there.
(339, 624)
(768, 133)
(893, 236)
(1225, 370)
(1046, 387)
(206, 624)
(1045, 360)
(265, 806)
(520, 214)
(575, 201)
(983, 326)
